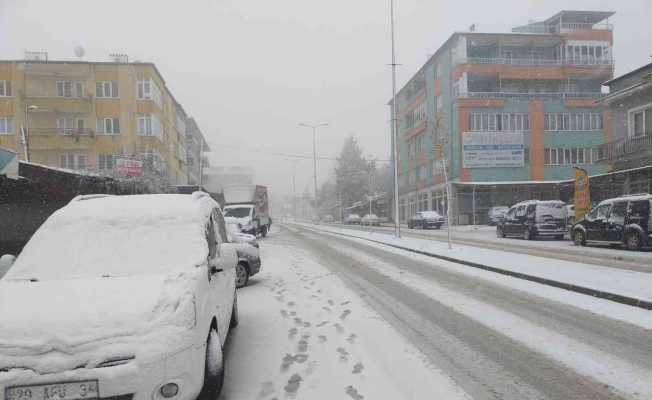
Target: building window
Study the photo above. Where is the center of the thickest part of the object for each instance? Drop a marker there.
(149, 90)
(6, 125)
(73, 161)
(106, 90)
(70, 125)
(568, 156)
(108, 126)
(105, 161)
(413, 117)
(150, 125)
(640, 121)
(70, 89)
(490, 122)
(5, 88)
(572, 122)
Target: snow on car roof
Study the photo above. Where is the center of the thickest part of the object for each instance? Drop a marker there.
(118, 236)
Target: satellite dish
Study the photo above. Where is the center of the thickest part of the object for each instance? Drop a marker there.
(79, 51)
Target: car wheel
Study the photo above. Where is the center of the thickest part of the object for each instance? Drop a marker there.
(263, 233)
(214, 368)
(633, 241)
(241, 275)
(500, 233)
(235, 317)
(578, 238)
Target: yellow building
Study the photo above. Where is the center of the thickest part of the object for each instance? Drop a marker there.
(92, 116)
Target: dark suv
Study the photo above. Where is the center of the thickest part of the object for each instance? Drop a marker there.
(534, 218)
(625, 220)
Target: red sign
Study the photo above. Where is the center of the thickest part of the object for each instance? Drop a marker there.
(129, 167)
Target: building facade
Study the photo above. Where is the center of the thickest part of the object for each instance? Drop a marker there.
(196, 146)
(94, 116)
(508, 115)
(629, 152)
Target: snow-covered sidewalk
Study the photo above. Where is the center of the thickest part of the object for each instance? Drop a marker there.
(303, 334)
(623, 282)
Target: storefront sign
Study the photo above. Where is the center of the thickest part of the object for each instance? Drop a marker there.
(129, 167)
(493, 149)
(582, 197)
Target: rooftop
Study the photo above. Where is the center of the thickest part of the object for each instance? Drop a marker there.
(573, 16)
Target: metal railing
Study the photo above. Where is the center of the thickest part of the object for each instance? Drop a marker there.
(540, 61)
(614, 150)
(583, 26)
(553, 95)
(61, 132)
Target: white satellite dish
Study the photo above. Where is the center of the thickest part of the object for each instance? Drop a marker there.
(79, 51)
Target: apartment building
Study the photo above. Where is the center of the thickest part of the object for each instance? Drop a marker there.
(113, 118)
(508, 114)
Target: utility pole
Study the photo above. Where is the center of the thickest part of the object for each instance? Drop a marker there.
(25, 132)
(314, 154)
(397, 223)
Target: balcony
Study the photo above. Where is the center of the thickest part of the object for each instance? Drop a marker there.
(535, 61)
(620, 149)
(63, 132)
(532, 95)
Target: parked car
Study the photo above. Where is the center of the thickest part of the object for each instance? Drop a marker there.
(352, 219)
(625, 220)
(370, 219)
(534, 218)
(496, 214)
(123, 296)
(329, 219)
(425, 220)
(247, 248)
(315, 219)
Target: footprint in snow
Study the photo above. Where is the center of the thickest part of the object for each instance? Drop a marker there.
(322, 338)
(298, 321)
(284, 313)
(331, 302)
(345, 303)
(340, 328)
(344, 355)
(351, 338)
(290, 304)
(292, 333)
(345, 314)
(293, 313)
(302, 346)
(319, 325)
(293, 385)
(310, 369)
(357, 368)
(306, 324)
(353, 393)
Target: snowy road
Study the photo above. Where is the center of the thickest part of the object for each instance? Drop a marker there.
(403, 326)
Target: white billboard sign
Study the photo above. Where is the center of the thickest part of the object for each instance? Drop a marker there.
(493, 149)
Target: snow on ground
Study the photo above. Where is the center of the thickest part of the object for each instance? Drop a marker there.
(624, 282)
(303, 334)
(625, 377)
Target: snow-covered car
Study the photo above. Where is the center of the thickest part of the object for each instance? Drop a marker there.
(329, 219)
(120, 297)
(352, 219)
(370, 219)
(246, 247)
(425, 220)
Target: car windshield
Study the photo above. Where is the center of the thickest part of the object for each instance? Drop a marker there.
(550, 211)
(430, 214)
(237, 212)
(352, 216)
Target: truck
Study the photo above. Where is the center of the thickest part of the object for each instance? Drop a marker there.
(248, 205)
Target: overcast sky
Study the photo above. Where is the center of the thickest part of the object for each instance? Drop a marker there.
(250, 70)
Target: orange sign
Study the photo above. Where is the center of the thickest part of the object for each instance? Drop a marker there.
(582, 196)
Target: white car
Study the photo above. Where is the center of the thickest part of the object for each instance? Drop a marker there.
(120, 297)
(370, 219)
(247, 248)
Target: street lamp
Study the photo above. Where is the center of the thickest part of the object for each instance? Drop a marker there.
(314, 152)
(25, 135)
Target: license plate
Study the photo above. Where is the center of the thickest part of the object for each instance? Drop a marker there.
(55, 391)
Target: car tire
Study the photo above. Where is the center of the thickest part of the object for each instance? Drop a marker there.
(235, 317)
(500, 233)
(213, 368)
(578, 238)
(263, 232)
(633, 241)
(241, 275)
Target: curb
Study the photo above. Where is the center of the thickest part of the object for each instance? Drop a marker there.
(618, 298)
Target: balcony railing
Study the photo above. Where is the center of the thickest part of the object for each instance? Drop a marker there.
(615, 150)
(552, 95)
(61, 131)
(582, 26)
(595, 61)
